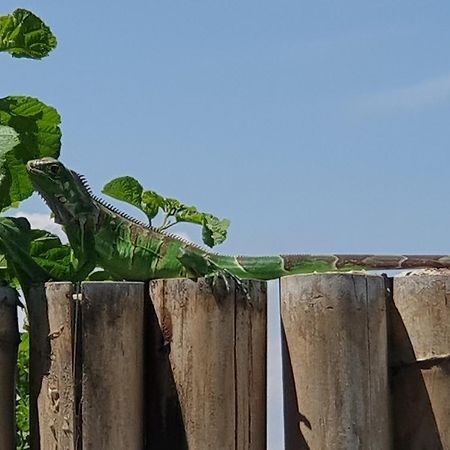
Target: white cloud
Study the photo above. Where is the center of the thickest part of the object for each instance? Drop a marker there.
(415, 97)
(44, 222)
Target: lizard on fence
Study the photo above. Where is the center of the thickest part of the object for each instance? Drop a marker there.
(102, 236)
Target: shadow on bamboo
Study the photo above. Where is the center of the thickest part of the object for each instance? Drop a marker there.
(414, 424)
(292, 415)
(39, 356)
(165, 428)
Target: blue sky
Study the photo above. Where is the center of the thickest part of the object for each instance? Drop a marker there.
(313, 126)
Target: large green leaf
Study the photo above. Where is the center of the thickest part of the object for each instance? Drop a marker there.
(47, 250)
(14, 245)
(37, 128)
(126, 189)
(32, 255)
(24, 35)
(9, 138)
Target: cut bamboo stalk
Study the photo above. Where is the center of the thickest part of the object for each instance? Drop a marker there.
(335, 362)
(110, 351)
(9, 342)
(420, 361)
(52, 399)
(86, 367)
(210, 351)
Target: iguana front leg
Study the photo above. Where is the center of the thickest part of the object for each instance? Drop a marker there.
(203, 266)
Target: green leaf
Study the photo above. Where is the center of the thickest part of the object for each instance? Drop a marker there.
(47, 250)
(151, 203)
(126, 189)
(214, 230)
(190, 214)
(7, 276)
(15, 238)
(37, 128)
(8, 139)
(24, 35)
(171, 206)
(33, 255)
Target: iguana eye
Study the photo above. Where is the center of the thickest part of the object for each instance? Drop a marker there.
(61, 199)
(55, 169)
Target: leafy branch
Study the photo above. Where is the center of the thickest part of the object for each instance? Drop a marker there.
(129, 190)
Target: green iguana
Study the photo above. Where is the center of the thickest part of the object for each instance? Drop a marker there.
(101, 235)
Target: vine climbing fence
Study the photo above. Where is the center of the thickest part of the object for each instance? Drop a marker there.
(177, 364)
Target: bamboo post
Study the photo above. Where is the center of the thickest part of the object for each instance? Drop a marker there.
(110, 346)
(52, 403)
(335, 362)
(420, 361)
(209, 352)
(9, 341)
(86, 366)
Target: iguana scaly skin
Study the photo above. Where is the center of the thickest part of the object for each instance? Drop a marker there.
(100, 235)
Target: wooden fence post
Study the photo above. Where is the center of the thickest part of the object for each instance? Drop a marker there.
(111, 341)
(52, 402)
(9, 341)
(420, 361)
(86, 366)
(209, 353)
(335, 370)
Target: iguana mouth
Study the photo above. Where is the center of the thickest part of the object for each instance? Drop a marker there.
(34, 166)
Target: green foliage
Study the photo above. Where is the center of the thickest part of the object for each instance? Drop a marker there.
(151, 203)
(22, 394)
(24, 35)
(32, 255)
(128, 189)
(15, 245)
(9, 138)
(29, 129)
(36, 127)
(214, 230)
(53, 256)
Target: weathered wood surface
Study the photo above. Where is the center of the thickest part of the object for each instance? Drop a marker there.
(214, 375)
(110, 345)
(9, 341)
(420, 361)
(335, 370)
(51, 371)
(86, 366)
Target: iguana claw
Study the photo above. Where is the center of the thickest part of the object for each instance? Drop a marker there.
(225, 276)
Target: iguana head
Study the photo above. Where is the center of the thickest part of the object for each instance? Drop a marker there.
(63, 190)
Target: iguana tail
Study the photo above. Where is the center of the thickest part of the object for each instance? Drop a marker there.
(270, 267)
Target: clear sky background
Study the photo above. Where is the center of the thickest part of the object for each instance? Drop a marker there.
(313, 126)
